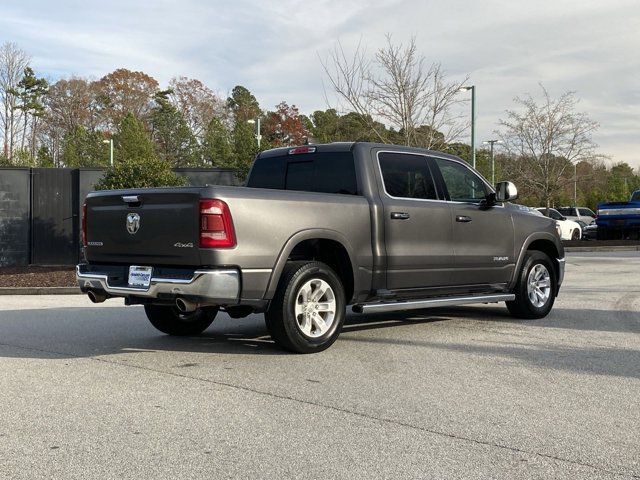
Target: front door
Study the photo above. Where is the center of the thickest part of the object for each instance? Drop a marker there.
(417, 224)
(483, 237)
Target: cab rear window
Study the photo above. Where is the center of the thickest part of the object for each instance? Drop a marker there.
(324, 172)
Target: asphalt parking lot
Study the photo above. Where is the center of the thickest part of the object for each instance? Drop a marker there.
(94, 392)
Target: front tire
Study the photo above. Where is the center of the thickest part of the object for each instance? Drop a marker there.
(308, 309)
(171, 321)
(536, 288)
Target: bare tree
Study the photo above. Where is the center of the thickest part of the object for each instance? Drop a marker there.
(544, 139)
(124, 91)
(349, 78)
(69, 103)
(13, 62)
(397, 87)
(197, 103)
(73, 103)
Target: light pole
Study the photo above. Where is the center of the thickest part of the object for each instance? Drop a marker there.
(473, 122)
(258, 135)
(491, 143)
(110, 142)
(575, 185)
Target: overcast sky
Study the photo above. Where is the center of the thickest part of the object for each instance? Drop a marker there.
(505, 46)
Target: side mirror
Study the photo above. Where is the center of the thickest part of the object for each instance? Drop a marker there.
(506, 191)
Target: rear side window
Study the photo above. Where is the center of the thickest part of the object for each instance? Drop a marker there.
(267, 173)
(324, 172)
(407, 176)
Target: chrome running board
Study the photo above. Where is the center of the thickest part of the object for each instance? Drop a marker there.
(431, 303)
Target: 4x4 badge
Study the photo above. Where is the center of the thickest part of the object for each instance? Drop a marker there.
(133, 223)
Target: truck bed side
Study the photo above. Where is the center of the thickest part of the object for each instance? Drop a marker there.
(268, 225)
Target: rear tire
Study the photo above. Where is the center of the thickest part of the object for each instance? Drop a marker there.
(169, 320)
(308, 308)
(575, 235)
(536, 288)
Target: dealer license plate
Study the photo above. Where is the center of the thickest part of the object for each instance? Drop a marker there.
(140, 277)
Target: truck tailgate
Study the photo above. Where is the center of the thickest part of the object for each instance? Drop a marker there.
(144, 227)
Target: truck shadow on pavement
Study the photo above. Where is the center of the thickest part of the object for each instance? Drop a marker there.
(90, 332)
(545, 350)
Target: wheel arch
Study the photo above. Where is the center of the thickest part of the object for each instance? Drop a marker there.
(543, 242)
(327, 246)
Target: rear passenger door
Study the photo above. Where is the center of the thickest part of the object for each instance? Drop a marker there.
(483, 237)
(417, 224)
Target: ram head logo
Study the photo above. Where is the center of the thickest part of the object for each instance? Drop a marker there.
(133, 223)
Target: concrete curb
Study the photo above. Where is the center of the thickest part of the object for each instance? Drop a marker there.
(39, 290)
(586, 248)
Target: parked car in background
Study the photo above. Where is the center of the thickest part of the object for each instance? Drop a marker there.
(569, 230)
(590, 232)
(534, 211)
(578, 213)
(619, 219)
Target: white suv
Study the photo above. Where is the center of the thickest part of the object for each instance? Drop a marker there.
(578, 213)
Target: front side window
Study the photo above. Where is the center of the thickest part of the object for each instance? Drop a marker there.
(407, 176)
(586, 212)
(462, 183)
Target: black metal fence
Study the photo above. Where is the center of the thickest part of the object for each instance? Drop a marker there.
(40, 210)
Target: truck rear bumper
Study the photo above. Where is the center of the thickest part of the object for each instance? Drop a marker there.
(215, 286)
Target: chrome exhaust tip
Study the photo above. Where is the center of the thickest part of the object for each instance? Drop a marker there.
(185, 306)
(96, 297)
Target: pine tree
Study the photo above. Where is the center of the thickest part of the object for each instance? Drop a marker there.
(245, 148)
(217, 149)
(243, 104)
(83, 148)
(132, 141)
(30, 91)
(244, 107)
(176, 143)
(136, 164)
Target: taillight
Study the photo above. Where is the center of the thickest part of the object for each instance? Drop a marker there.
(216, 225)
(84, 224)
(300, 150)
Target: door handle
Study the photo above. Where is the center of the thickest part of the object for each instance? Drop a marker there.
(463, 218)
(399, 215)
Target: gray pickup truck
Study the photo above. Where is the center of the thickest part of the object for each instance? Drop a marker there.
(317, 228)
